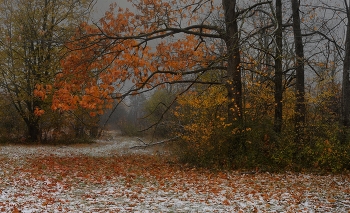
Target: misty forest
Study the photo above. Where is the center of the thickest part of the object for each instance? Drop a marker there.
(174, 106)
(235, 84)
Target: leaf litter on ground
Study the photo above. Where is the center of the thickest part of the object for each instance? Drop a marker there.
(108, 177)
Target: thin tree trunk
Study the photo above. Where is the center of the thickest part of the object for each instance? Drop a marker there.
(234, 83)
(299, 64)
(278, 70)
(346, 71)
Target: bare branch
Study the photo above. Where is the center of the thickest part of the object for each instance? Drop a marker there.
(252, 7)
(146, 145)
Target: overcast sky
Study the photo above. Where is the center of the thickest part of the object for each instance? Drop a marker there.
(103, 5)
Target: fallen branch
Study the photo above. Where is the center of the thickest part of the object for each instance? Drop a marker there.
(146, 145)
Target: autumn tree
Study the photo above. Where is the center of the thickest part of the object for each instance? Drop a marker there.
(32, 45)
(161, 43)
(158, 43)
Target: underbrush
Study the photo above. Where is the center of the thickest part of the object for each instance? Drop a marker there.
(321, 149)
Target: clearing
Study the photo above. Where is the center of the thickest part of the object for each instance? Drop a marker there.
(109, 177)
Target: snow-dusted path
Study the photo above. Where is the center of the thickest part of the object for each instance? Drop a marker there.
(109, 177)
(103, 148)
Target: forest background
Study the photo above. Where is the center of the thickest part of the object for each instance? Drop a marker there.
(233, 84)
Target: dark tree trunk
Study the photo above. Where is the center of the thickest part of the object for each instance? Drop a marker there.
(94, 132)
(346, 70)
(34, 131)
(299, 64)
(278, 70)
(234, 82)
(79, 130)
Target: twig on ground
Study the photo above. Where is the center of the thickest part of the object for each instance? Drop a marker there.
(145, 145)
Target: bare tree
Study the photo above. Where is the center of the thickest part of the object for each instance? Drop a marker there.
(234, 83)
(346, 71)
(300, 108)
(278, 68)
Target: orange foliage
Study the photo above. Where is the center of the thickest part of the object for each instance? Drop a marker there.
(104, 58)
(38, 111)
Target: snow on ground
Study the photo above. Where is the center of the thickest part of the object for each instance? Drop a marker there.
(109, 177)
(108, 147)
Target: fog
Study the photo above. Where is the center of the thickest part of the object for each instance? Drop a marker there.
(102, 6)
